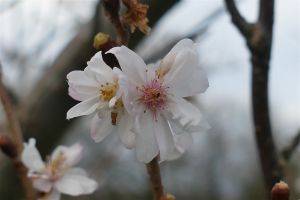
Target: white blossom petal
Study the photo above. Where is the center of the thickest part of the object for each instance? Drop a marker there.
(81, 87)
(132, 64)
(99, 70)
(146, 144)
(31, 157)
(166, 143)
(130, 96)
(84, 108)
(186, 114)
(124, 128)
(72, 155)
(75, 182)
(101, 126)
(186, 77)
(169, 59)
(43, 185)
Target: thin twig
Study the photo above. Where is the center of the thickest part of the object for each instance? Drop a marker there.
(112, 8)
(17, 137)
(154, 173)
(244, 27)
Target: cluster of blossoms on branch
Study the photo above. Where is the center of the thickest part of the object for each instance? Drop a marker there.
(145, 104)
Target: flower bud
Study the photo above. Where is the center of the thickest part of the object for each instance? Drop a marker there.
(280, 191)
(8, 147)
(103, 42)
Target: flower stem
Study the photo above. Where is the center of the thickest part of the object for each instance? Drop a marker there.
(155, 178)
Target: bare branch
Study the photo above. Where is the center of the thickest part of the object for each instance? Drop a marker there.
(266, 14)
(238, 20)
(17, 137)
(112, 8)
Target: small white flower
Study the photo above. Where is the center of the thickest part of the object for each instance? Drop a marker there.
(98, 89)
(154, 95)
(57, 175)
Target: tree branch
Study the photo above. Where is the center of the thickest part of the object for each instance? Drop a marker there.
(259, 41)
(112, 8)
(17, 142)
(266, 14)
(154, 173)
(238, 20)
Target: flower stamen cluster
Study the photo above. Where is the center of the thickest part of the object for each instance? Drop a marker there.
(153, 96)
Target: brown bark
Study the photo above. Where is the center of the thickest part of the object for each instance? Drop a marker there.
(259, 40)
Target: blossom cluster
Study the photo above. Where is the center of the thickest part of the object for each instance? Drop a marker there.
(145, 104)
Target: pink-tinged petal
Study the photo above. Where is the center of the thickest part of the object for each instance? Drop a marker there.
(132, 64)
(84, 108)
(124, 128)
(75, 182)
(186, 77)
(186, 114)
(167, 62)
(164, 137)
(99, 70)
(146, 144)
(43, 185)
(31, 157)
(101, 126)
(54, 195)
(81, 87)
(72, 155)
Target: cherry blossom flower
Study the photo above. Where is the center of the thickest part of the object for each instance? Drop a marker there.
(57, 175)
(98, 90)
(155, 95)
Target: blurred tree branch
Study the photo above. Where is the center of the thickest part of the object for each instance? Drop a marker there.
(259, 40)
(14, 147)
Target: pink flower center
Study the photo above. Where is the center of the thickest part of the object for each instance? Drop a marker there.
(154, 96)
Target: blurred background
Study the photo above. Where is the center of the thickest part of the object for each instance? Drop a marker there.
(41, 41)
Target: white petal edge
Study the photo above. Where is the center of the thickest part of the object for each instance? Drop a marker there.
(75, 182)
(101, 126)
(124, 128)
(72, 154)
(169, 59)
(99, 70)
(186, 77)
(164, 137)
(186, 114)
(146, 145)
(84, 108)
(31, 156)
(132, 64)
